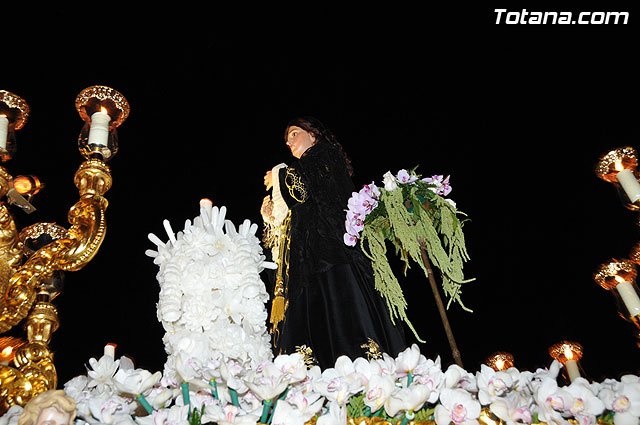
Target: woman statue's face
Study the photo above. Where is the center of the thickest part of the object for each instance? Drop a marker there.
(299, 140)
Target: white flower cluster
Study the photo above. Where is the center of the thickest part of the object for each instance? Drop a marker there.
(284, 391)
(212, 300)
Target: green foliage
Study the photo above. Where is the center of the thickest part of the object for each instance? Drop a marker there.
(411, 217)
(424, 414)
(196, 416)
(356, 406)
(606, 417)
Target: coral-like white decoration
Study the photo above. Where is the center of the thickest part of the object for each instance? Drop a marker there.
(212, 299)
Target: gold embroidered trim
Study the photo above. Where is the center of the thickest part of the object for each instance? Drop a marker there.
(280, 301)
(373, 349)
(307, 355)
(297, 188)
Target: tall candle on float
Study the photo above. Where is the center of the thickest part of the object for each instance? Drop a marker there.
(4, 131)
(110, 350)
(570, 364)
(629, 296)
(207, 205)
(628, 181)
(99, 130)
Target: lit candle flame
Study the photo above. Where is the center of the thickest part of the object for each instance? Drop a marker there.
(568, 353)
(7, 351)
(103, 110)
(499, 364)
(22, 185)
(619, 166)
(618, 279)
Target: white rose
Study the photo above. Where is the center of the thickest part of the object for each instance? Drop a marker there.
(389, 181)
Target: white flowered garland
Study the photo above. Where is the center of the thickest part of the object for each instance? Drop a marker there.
(232, 386)
(408, 387)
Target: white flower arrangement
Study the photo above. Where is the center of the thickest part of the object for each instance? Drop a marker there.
(222, 372)
(212, 300)
(284, 391)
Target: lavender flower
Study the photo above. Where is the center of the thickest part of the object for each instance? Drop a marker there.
(442, 186)
(406, 178)
(350, 240)
(359, 206)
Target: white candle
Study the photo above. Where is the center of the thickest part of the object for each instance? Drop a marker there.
(572, 369)
(629, 296)
(4, 131)
(207, 205)
(629, 183)
(571, 364)
(110, 350)
(99, 131)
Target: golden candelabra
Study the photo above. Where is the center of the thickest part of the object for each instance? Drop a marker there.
(30, 270)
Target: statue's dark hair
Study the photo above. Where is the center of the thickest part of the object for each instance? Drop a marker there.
(318, 129)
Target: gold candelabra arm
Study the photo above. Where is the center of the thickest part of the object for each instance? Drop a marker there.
(71, 253)
(10, 250)
(27, 288)
(33, 370)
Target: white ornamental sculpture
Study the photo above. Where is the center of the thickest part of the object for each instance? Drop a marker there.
(212, 299)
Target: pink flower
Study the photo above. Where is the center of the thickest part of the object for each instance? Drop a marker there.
(457, 406)
(362, 202)
(354, 223)
(442, 186)
(446, 187)
(405, 177)
(350, 240)
(371, 190)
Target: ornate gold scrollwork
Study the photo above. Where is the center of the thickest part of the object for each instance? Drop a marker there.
(33, 370)
(10, 251)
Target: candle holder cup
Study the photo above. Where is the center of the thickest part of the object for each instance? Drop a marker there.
(619, 277)
(500, 361)
(569, 354)
(96, 99)
(620, 167)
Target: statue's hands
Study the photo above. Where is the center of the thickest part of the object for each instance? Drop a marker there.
(267, 206)
(268, 182)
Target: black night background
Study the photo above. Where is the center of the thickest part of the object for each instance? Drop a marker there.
(517, 115)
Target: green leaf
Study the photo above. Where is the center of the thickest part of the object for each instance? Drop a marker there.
(195, 416)
(356, 406)
(424, 414)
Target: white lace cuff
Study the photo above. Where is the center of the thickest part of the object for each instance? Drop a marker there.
(280, 208)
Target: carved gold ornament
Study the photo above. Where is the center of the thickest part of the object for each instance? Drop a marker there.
(28, 271)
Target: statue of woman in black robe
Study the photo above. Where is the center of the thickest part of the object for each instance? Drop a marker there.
(324, 296)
